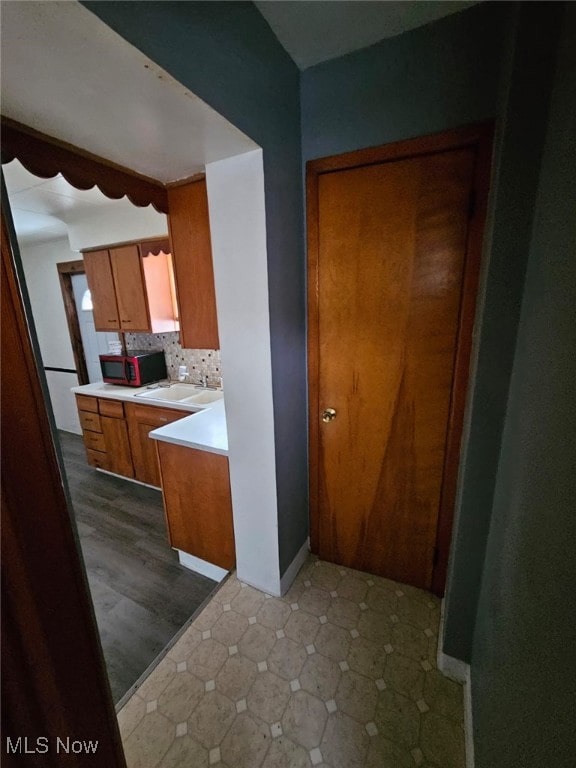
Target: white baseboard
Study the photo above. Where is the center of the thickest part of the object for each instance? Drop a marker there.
(259, 587)
(468, 725)
(282, 585)
(459, 671)
(129, 479)
(449, 666)
(292, 571)
(202, 567)
(453, 668)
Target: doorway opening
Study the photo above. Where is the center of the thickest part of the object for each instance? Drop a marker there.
(129, 564)
(94, 343)
(69, 272)
(188, 135)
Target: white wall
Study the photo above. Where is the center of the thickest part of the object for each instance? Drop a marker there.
(39, 262)
(238, 229)
(63, 401)
(118, 222)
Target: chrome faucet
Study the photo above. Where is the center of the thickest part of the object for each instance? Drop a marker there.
(203, 383)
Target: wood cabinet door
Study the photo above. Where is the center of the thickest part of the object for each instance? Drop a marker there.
(197, 501)
(142, 419)
(117, 444)
(192, 258)
(130, 289)
(101, 283)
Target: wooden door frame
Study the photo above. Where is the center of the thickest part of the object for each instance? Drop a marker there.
(54, 683)
(479, 137)
(65, 271)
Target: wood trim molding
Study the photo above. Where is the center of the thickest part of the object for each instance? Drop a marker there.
(153, 245)
(465, 136)
(480, 137)
(65, 271)
(46, 156)
(54, 682)
(313, 237)
(470, 281)
(187, 180)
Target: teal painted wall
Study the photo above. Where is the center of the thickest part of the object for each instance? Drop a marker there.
(527, 74)
(436, 77)
(523, 675)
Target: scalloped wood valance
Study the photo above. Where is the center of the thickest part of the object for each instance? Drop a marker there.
(46, 157)
(155, 247)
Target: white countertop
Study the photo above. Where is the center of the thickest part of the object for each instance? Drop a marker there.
(204, 429)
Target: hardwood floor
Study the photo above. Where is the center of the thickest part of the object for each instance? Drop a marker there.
(142, 595)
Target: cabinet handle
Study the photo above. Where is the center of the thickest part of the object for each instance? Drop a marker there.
(161, 419)
(126, 321)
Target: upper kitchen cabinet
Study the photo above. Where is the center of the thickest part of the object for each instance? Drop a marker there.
(192, 254)
(101, 282)
(132, 288)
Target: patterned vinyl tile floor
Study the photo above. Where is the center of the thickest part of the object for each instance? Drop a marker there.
(339, 673)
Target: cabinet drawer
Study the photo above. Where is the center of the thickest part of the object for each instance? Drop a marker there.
(90, 421)
(113, 408)
(154, 416)
(97, 459)
(86, 403)
(94, 441)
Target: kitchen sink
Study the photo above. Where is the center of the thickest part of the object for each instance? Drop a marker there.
(205, 397)
(183, 393)
(174, 393)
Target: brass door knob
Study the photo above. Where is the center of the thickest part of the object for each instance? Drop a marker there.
(329, 414)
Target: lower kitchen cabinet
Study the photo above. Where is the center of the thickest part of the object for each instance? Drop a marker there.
(142, 419)
(195, 483)
(105, 434)
(115, 433)
(197, 501)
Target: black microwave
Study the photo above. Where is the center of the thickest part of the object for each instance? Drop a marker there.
(135, 369)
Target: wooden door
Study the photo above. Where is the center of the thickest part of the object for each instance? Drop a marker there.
(391, 242)
(142, 419)
(192, 259)
(130, 289)
(101, 283)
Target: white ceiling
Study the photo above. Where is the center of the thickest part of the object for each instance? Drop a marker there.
(42, 208)
(67, 74)
(60, 75)
(29, 204)
(312, 32)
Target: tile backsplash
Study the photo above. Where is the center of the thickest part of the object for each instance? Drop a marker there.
(200, 362)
